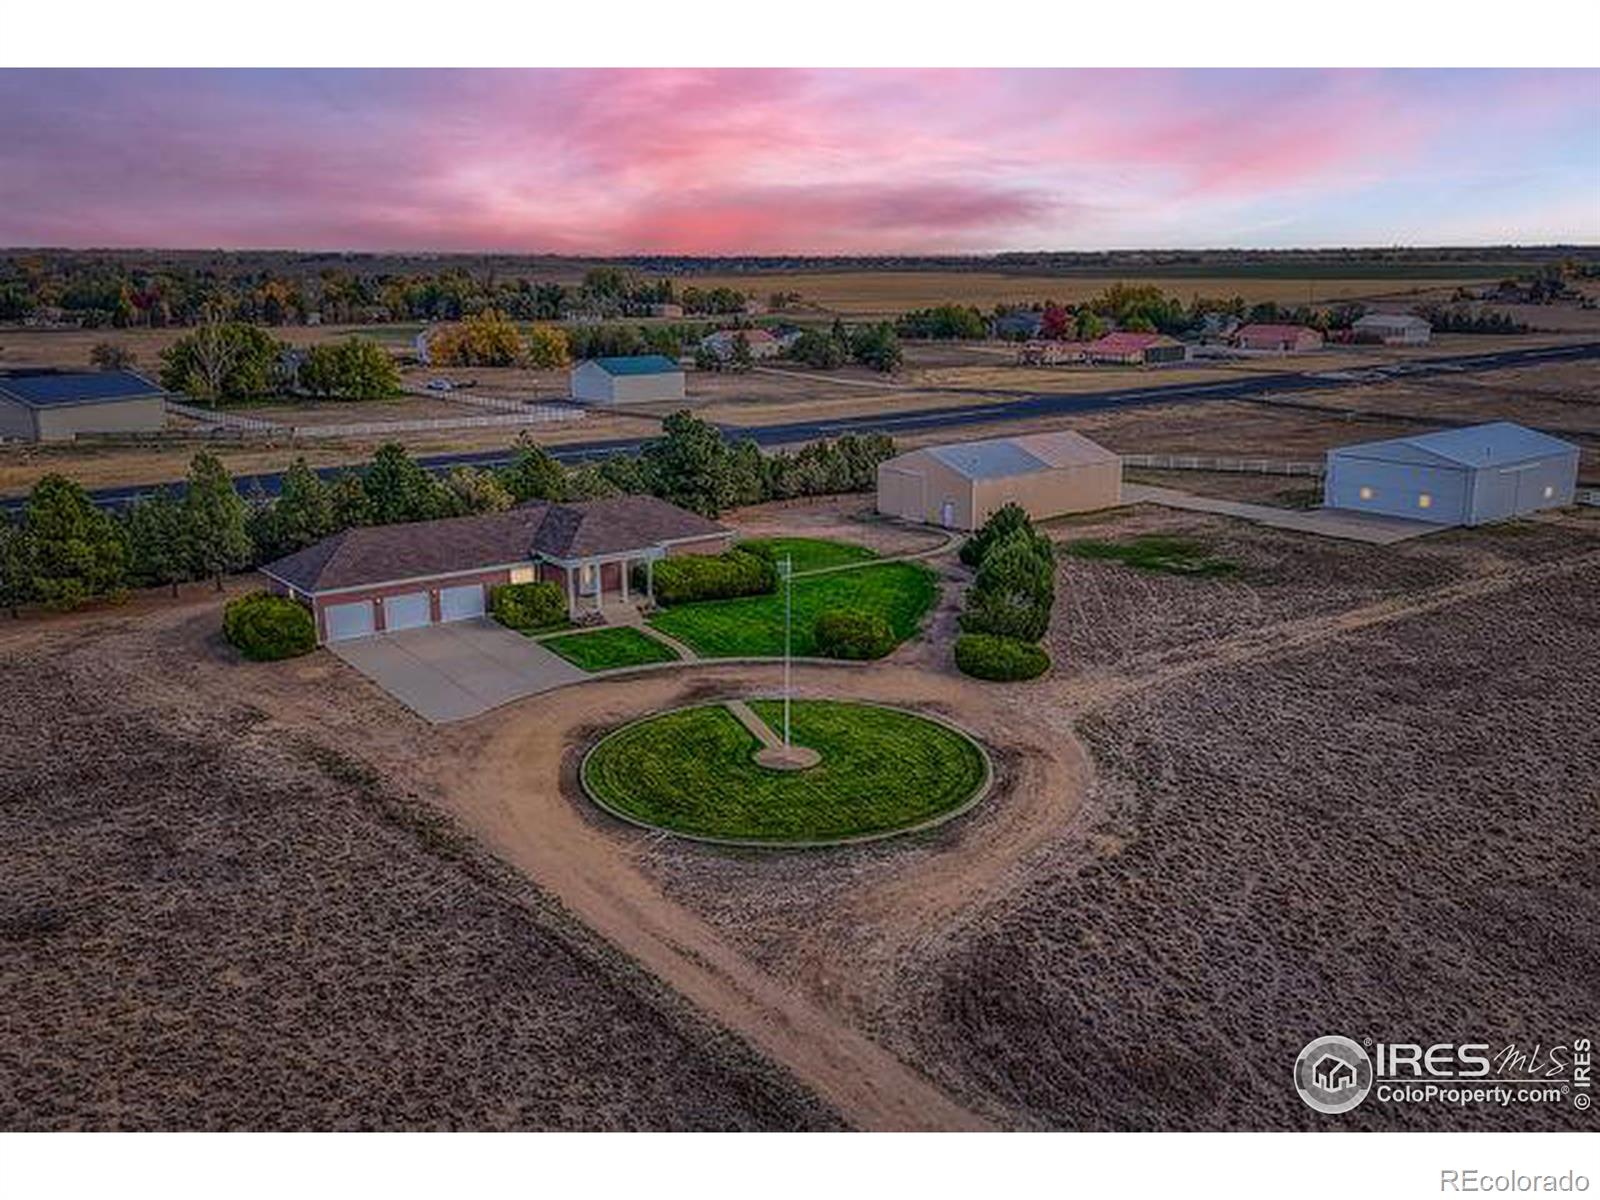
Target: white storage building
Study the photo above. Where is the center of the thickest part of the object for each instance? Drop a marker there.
(1465, 476)
(1394, 329)
(633, 379)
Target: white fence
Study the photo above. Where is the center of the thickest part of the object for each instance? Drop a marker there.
(216, 417)
(217, 422)
(1234, 466)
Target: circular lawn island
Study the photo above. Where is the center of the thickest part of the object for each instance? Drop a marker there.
(695, 772)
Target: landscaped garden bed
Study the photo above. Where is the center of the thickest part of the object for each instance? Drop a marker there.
(693, 771)
(610, 648)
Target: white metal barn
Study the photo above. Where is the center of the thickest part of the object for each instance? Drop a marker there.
(1394, 329)
(632, 379)
(1455, 477)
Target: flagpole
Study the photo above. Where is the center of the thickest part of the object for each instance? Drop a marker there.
(788, 609)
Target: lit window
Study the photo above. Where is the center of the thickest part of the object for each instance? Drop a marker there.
(1549, 491)
(1424, 501)
(1366, 493)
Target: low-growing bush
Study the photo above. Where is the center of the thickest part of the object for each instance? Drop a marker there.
(1001, 658)
(526, 606)
(267, 627)
(713, 577)
(852, 634)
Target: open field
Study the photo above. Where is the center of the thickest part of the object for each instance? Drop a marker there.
(887, 293)
(217, 914)
(694, 771)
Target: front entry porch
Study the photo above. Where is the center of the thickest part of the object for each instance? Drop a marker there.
(592, 584)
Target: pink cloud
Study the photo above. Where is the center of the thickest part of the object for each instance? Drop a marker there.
(753, 161)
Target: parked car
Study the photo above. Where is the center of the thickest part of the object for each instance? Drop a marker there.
(440, 385)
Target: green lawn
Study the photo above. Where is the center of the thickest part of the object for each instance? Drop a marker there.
(902, 593)
(604, 649)
(1154, 552)
(692, 771)
(814, 554)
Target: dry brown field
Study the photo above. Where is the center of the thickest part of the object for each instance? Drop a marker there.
(1338, 791)
(887, 293)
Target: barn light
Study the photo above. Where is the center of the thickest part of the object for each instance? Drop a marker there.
(1549, 491)
(1424, 501)
(1366, 493)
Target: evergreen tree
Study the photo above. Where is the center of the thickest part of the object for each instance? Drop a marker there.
(399, 490)
(75, 552)
(156, 541)
(215, 518)
(534, 474)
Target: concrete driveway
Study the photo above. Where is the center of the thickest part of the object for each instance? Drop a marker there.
(1373, 528)
(451, 672)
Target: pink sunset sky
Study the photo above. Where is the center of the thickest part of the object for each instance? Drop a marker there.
(789, 161)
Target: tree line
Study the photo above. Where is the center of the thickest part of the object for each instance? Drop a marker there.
(65, 551)
(227, 361)
(95, 292)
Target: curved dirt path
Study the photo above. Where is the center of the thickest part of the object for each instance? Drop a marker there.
(523, 799)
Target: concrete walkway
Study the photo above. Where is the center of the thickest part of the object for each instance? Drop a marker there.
(451, 672)
(1326, 522)
(634, 619)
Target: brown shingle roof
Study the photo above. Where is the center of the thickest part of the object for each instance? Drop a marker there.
(374, 554)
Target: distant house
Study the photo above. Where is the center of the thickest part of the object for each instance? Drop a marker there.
(56, 406)
(374, 579)
(419, 346)
(1215, 326)
(1465, 476)
(762, 344)
(1279, 339)
(665, 310)
(1017, 326)
(1135, 349)
(633, 379)
(1049, 354)
(1393, 329)
(960, 485)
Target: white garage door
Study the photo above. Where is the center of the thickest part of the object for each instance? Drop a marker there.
(405, 612)
(461, 603)
(349, 620)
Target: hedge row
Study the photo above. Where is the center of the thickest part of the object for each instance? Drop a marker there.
(1007, 609)
(267, 627)
(713, 577)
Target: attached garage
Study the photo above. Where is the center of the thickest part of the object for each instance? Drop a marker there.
(960, 485)
(461, 603)
(1469, 476)
(345, 621)
(411, 610)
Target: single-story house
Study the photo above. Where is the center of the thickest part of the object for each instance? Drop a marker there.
(1281, 339)
(631, 379)
(960, 485)
(762, 344)
(56, 406)
(1135, 349)
(1393, 329)
(1017, 326)
(1467, 476)
(379, 578)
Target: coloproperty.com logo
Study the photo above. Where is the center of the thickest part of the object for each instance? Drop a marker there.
(1334, 1074)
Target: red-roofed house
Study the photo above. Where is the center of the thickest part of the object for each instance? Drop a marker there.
(1135, 349)
(1282, 339)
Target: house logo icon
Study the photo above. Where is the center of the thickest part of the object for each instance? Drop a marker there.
(1333, 1074)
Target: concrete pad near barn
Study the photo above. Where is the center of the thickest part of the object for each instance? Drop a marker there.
(451, 672)
(1325, 522)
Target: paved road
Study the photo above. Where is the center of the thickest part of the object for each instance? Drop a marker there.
(1025, 406)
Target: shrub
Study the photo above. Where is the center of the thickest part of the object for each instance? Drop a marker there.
(266, 628)
(1014, 591)
(527, 606)
(1004, 521)
(713, 577)
(851, 633)
(1000, 658)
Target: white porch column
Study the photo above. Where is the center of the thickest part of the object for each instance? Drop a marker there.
(624, 581)
(572, 592)
(650, 579)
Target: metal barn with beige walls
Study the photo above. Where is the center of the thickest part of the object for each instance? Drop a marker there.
(960, 485)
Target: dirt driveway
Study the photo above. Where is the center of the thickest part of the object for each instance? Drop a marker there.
(452, 672)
